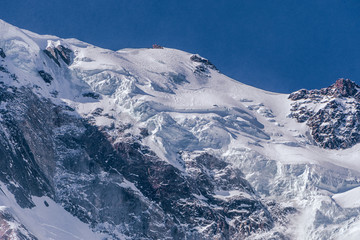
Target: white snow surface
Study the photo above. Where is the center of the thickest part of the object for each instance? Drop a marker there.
(157, 89)
(47, 222)
(348, 199)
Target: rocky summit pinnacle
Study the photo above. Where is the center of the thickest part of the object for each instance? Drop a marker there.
(332, 113)
(341, 88)
(344, 88)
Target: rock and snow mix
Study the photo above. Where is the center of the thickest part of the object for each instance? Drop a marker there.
(157, 143)
(333, 113)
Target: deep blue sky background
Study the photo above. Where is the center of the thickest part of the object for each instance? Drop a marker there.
(271, 44)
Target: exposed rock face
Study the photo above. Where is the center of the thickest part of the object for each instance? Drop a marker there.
(341, 88)
(11, 229)
(125, 183)
(59, 52)
(196, 58)
(23, 123)
(332, 113)
(2, 54)
(147, 144)
(49, 140)
(45, 76)
(232, 193)
(204, 64)
(91, 95)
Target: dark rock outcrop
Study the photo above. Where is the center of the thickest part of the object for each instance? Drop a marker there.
(45, 76)
(120, 186)
(59, 52)
(336, 123)
(177, 78)
(3, 69)
(341, 88)
(2, 53)
(91, 95)
(207, 63)
(25, 149)
(203, 68)
(232, 193)
(10, 228)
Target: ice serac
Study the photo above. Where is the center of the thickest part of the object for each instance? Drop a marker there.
(158, 144)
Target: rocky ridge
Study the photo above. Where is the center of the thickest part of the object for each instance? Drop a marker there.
(332, 113)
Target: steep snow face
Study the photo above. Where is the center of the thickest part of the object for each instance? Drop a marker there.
(150, 143)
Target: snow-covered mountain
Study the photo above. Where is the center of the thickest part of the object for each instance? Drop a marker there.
(158, 144)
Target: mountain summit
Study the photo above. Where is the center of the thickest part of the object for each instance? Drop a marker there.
(332, 113)
(157, 143)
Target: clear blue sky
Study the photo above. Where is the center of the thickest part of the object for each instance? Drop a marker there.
(271, 44)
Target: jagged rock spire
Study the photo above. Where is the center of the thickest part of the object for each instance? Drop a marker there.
(343, 88)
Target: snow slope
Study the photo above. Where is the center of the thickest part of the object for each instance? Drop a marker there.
(47, 220)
